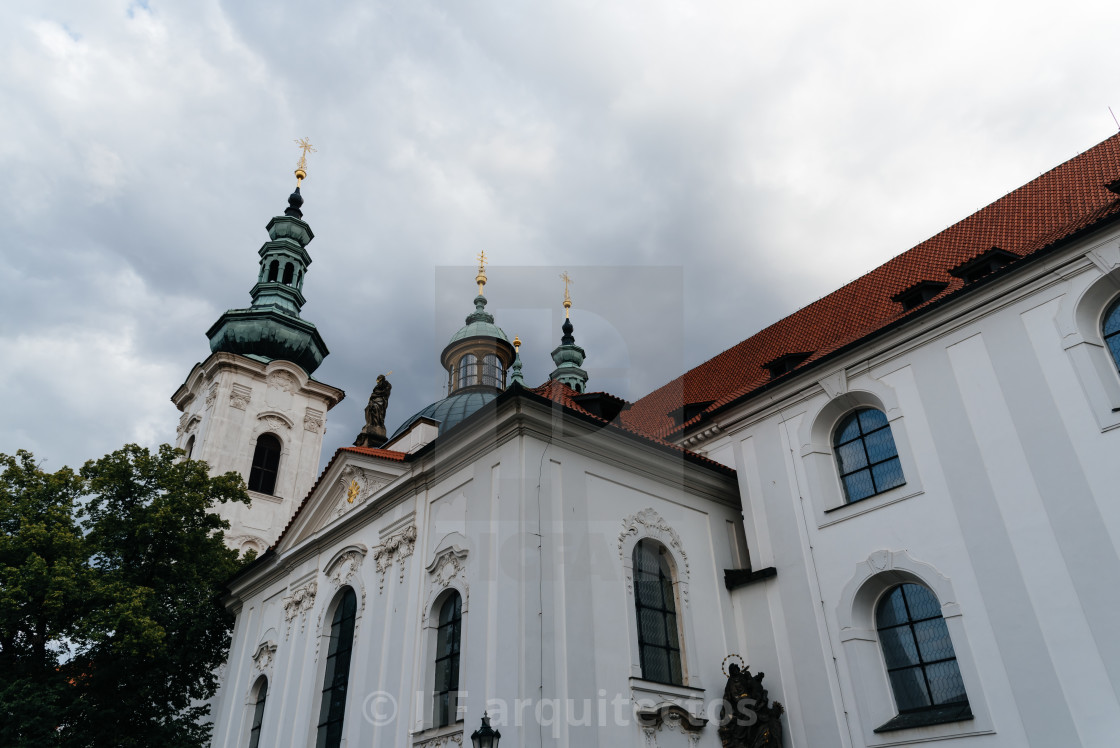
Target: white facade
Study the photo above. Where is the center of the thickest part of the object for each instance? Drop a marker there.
(227, 402)
(1004, 407)
(533, 519)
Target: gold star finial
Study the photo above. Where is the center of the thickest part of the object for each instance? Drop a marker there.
(301, 165)
(567, 296)
(480, 279)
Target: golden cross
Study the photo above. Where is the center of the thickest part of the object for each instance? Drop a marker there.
(567, 297)
(482, 260)
(301, 167)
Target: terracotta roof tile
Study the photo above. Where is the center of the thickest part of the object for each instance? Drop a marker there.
(1062, 202)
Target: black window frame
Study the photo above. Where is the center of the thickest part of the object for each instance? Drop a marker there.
(949, 710)
(655, 611)
(258, 712)
(266, 464)
(449, 633)
(868, 466)
(336, 675)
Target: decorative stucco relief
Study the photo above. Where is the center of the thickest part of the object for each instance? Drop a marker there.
(448, 569)
(396, 547)
(649, 524)
(313, 420)
(343, 568)
(240, 396)
(357, 486)
(298, 603)
(265, 654)
(441, 741)
(210, 395)
(282, 380)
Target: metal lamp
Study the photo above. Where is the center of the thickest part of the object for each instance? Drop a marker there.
(485, 736)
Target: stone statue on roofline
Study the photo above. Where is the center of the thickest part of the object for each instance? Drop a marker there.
(747, 718)
(373, 433)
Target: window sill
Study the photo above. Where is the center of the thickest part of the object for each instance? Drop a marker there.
(938, 716)
(870, 504)
(257, 495)
(433, 736)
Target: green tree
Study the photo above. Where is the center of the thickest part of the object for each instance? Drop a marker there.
(111, 625)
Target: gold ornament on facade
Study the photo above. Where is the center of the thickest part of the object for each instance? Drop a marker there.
(352, 492)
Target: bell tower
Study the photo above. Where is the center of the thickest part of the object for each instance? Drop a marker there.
(252, 406)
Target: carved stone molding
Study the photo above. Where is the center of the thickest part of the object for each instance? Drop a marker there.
(649, 524)
(357, 486)
(211, 393)
(345, 565)
(448, 569)
(274, 421)
(282, 380)
(313, 420)
(298, 603)
(240, 396)
(183, 419)
(396, 547)
(441, 741)
(265, 654)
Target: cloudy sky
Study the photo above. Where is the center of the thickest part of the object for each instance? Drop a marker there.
(701, 169)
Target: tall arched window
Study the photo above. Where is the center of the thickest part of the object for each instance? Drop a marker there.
(448, 634)
(266, 463)
(258, 712)
(491, 370)
(332, 708)
(468, 371)
(919, 655)
(655, 597)
(866, 454)
(189, 449)
(273, 271)
(289, 274)
(1111, 330)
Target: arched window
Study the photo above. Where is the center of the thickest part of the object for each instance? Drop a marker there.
(190, 447)
(866, 454)
(299, 280)
(446, 692)
(258, 712)
(468, 371)
(289, 273)
(1111, 330)
(655, 597)
(266, 463)
(333, 705)
(491, 370)
(919, 655)
(273, 271)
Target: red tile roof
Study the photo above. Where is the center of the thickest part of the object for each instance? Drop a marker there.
(388, 454)
(562, 394)
(1058, 205)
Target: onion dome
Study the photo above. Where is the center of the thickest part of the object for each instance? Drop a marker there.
(271, 328)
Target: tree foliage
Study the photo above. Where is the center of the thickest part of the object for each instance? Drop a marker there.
(111, 627)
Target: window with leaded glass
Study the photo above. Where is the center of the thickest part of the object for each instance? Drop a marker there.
(266, 463)
(492, 374)
(332, 707)
(1111, 330)
(258, 713)
(448, 634)
(656, 601)
(468, 371)
(921, 662)
(866, 454)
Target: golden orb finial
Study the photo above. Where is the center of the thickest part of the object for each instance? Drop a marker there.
(480, 279)
(516, 344)
(301, 165)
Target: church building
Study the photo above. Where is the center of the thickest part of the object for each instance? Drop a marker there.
(887, 519)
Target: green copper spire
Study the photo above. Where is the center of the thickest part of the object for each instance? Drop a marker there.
(569, 358)
(271, 328)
